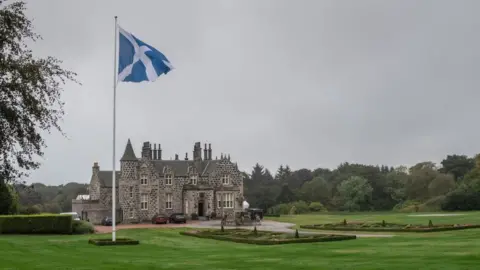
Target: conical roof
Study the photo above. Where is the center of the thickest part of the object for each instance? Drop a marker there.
(129, 154)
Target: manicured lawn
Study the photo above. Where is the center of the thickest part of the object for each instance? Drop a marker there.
(167, 249)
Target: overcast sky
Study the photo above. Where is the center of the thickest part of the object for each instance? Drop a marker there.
(304, 83)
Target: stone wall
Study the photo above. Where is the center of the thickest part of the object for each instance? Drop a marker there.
(93, 210)
(94, 187)
(128, 178)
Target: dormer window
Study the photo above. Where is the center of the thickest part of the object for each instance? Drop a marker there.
(193, 179)
(168, 179)
(225, 179)
(143, 180)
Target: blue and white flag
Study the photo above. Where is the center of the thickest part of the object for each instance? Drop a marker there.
(138, 61)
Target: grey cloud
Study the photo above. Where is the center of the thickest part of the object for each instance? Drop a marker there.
(304, 83)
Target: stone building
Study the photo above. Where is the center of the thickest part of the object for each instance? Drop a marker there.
(150, 185)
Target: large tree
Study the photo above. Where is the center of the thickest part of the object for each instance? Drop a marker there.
(30, 94)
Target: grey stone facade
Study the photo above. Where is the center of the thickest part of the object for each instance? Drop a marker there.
(149, 185)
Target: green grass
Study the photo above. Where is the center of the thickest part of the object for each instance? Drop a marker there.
(167, 249)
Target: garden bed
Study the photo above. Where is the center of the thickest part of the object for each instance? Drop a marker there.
(389, 227)
(264, 237)
(109, 242)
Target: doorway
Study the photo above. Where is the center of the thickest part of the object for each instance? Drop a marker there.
(200, 209)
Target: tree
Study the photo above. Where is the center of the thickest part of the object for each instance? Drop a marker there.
(355, 194)
(441, 185)
(8, 199)
(457, 165)
(30, 92)
(286, 195)
(316, 190)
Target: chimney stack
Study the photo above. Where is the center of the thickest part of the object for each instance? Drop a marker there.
(176, 156)
(159, 152)
(186, 156)
(154, 151)
(95, 168)
(205, 152)
(197, 152)
(209, 151)
(147, 150)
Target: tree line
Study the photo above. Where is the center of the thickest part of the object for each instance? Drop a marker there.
(452, 185)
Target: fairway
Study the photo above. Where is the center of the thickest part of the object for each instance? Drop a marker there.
(167, 249)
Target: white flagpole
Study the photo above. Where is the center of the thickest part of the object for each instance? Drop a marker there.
(114, 129)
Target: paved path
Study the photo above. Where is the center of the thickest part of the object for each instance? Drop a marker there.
(267, 225)
(275, 226)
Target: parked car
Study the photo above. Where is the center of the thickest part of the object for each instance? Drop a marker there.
(74, 215)
(160, 219)
(178, 218)
(107, 221)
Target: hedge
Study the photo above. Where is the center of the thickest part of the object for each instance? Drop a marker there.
(109, 242)
(36, 224)
(311, 239)
(82, 227)
(439, 228)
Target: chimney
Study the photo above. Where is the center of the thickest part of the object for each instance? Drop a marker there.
(205, 152)
(209, 151)
(147, 150)
(95, 168)
(197, 152)
(186, 156)
(159, 152)
(228, 157)
(176, 156)
(154, 151)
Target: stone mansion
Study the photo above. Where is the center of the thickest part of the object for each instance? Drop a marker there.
(150, 185)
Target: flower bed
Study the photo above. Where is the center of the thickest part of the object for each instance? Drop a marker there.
(109, 242)
(388, 227)
(265, 238)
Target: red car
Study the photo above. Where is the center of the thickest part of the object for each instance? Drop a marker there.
(160, 219)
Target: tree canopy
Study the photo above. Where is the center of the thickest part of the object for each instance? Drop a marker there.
(30, 94)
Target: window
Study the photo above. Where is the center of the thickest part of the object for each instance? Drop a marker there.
(143, 180)
(168, 179)
(225, 200)
(225, 179)
(131, 214)
(144, 202)
(193, 179)
(168, 202)
(131, 192)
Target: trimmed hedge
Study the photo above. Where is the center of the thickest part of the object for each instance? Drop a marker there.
(118, 242)
(82, 227)
(392, 228)
(264, 241)
(36, 224)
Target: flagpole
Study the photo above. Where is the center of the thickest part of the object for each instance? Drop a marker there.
(114, 129)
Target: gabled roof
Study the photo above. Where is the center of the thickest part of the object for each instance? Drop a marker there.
(105, 178)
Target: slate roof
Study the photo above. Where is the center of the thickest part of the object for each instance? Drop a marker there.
(180, 167)
(129, 154)
(105, 178)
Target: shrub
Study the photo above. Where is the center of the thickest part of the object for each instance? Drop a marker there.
(317, 207)
(36, 224)
(383, 223)
(109, 242)
(82, 227)
(407, 206)
(194, 216)
(461, 200)
(430, 224)
(255, 230)
(296, 233)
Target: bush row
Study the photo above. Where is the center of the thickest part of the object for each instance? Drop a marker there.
(43, 224)
(312, 239)
(387, 229)
(299, 207)
(36, 224)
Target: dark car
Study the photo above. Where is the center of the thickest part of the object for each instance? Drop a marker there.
(160, 219)
(107, 221)
(178, 218)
